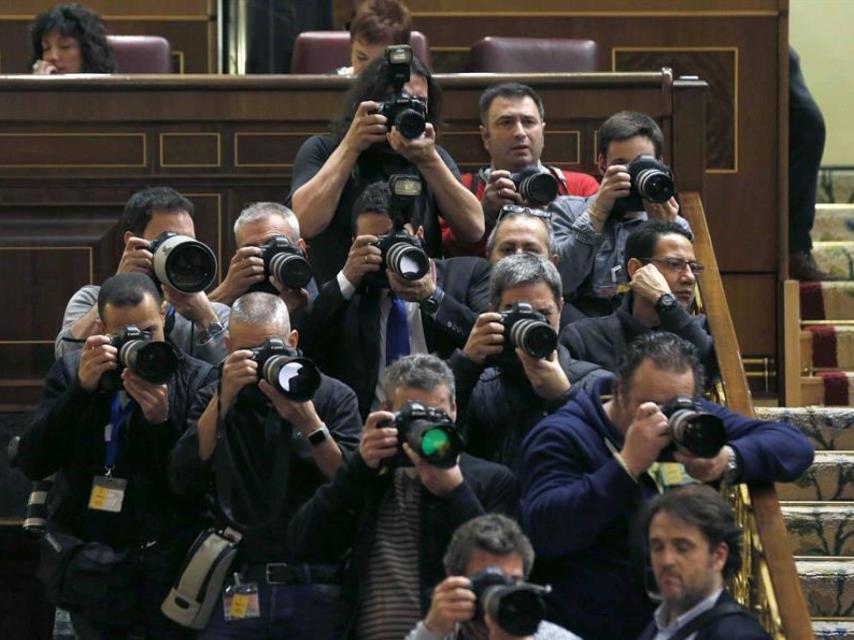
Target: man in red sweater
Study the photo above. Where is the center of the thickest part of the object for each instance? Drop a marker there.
(512, 128)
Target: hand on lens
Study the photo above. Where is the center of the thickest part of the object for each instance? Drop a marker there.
(302, 415)
(363, 258)
(486, 338)
(153, 399)
(367, 128)
(439, 482)
(662, 210)
(417, 150)
(546, 376)
(97, 356)
(295, 299)
(136, 257)
(378, 442)
(412, 290)
(703, 469)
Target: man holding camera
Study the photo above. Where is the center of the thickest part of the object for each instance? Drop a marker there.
(695, 549)
(591, 233)
(262, 444)
(110, 414)
(487, 562)
(662, 273)
(586, 470)
(263, 231)
(512, 128)
(376, 310)
(194, 324)
(509, 375)
(330, 172)
(394, 504)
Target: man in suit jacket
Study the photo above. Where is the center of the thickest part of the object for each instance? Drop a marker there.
(346, 331)
(694, 548)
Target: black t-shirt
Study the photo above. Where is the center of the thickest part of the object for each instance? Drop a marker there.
(328, 250)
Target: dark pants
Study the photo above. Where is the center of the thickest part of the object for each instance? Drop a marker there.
(159, 564)
(806, 146)
(288, 612)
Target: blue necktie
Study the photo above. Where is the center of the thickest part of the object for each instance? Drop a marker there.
(396, 331)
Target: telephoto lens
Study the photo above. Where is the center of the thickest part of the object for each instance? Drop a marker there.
(527, 329)
(283, 367)
(286, 262)
(430, 432)
(183, 262)
(700, 432)
(536, 185)
(35, 520)
(651, 180)
(516, 607)
(153, 361)
(402, 254)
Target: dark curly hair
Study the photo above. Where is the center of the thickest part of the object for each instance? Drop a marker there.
(82, 24)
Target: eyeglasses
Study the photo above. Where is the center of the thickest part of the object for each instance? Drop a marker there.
(516, 209)
(677, 265)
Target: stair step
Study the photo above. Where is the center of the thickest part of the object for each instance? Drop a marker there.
(828, 428)
(831, 477)
(833, 222)
(820, 528)
(836, 258)
(840, 629)
(827, 300)
(833, 345)
(828, 585)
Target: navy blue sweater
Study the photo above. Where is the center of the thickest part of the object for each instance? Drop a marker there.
(579, 508)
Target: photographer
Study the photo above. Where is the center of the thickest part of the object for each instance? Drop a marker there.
(487, 542)
(587, 469)
(369, 315)
(591, 233)
(258, 225)
(273, 451)
(512, 129)
(503, 390)
(194, 324)
(662, 273)
(330, 172)
(111, 451)
(395, 521)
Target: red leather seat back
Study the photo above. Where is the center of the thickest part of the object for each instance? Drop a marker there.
(325, 51)
(533, 55)
(141, 54)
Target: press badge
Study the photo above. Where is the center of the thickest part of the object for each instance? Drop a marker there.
(107, 494)
(240, 601)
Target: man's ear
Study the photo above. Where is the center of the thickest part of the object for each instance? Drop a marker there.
(632, 267)
(453, 412)
(303, 246)
(555, 259)
(719, 556)
(601, 164)
(228, 343)
(484, 136)
(98, 328)
(293, 339)
(419, 232)
(164, 305)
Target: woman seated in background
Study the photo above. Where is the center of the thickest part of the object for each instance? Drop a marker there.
(69, 38)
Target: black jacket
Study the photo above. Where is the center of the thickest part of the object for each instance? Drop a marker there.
(739, 625)
(603, 340)
(252, 430)
(67, 435)
(342, 517)
(499, 407)
(342, 336)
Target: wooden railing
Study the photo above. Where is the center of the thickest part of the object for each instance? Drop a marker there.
(768, 582)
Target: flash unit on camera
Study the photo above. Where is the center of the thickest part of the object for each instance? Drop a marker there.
(399, 54)
(410, 187)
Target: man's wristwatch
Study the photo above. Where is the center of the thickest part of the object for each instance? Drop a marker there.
(732, 467)
(319, 435)
(431, 305)
(666, 302)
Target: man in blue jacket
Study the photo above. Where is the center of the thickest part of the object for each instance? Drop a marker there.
(587, 469)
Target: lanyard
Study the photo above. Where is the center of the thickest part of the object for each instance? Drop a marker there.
(119, 417)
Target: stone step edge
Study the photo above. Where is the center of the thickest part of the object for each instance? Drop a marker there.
(840, 504)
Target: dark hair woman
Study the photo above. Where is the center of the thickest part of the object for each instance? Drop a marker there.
(69, 38)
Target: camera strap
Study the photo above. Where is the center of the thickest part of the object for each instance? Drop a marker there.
(230, 480)
(119, 417)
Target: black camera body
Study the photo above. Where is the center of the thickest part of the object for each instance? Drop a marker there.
(407, 113)
(182, 262)
(536, 185)
(287, 262)
(430, 432)
(285, 368)
(651, 180)
(153, 361)
(528, 329)
(700, 432)
(516, 607)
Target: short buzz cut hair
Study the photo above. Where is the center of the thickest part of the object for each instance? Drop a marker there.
(522, 212)
(493, 533)
(142, 205)
(381, 22)
(667, 351)
(702, 507)
(643, 240)
(628, 124)
(126, 290)
(521, 269)
(262, 211)
(511, 91)
(421, 371)
(260, 308)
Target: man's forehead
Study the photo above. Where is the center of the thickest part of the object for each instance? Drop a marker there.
(502, 105)
(674, 242)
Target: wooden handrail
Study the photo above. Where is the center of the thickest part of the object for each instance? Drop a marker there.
(766, 508)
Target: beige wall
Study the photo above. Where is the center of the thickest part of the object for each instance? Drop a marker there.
(822, 32)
